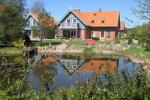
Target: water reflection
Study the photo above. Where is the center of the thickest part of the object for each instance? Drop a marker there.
(65, 72)
(11, 69)
(48, 73)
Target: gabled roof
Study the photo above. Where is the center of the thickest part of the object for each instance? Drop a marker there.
(99, 66)
(98, 18)
(35, 16)
(122, 26)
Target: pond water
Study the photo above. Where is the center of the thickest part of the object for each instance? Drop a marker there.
(48, 73)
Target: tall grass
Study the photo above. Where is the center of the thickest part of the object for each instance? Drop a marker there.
(120, 87)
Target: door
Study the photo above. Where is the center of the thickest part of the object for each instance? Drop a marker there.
(102, 35)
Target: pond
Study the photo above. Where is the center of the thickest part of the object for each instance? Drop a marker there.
(51, 72)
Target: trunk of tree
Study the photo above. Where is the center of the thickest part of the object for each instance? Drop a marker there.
(41, 40)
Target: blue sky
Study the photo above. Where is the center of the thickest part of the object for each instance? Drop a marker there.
(59, 8)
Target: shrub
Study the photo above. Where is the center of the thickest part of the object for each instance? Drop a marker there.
(147, 46)
(18, 43)
(117, 40)
(95, 38)
(88, 52)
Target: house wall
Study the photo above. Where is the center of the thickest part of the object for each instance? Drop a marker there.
(82, 33)
(97, 33)
(85, 34)
(71, 17)
(30, 22)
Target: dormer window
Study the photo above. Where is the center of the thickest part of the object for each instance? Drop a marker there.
(103, 21)
(92, 21)
(68, 20)
(94, 14)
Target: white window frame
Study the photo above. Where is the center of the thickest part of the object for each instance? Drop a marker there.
(67, 20)
(74, 23)
(93, 34)
(101, 35)
(109, 34)
(74, 19)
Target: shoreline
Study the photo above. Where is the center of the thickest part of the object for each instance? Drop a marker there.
(145, 63)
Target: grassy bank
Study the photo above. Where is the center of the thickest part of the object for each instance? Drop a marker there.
(10, 50)
(120, 88)
(47, 42)
(138, 52)
(82, 42)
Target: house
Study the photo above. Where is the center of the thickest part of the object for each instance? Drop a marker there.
(104, 25)
(32, 21)
(122, 28)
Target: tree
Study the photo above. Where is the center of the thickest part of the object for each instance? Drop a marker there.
(37, 7)
(143, 9)
(11, 19)
(46, 26)
(146, 36)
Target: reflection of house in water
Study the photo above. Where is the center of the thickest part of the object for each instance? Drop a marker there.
(99, 66)
(90, 66)
(72, 64)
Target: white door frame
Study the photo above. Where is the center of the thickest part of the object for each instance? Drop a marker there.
(101, 35)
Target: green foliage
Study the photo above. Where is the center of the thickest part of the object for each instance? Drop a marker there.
(88, 52)
(76, 42)
(120, 89)
(48, 42)
(140, 33)
(11, 19)
(46, 26)
(19, 43)
(95, 38)
(118, 40)
(121, 86)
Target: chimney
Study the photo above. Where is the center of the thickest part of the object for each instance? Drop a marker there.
(76, 10)
(94, 14)
(99, 10)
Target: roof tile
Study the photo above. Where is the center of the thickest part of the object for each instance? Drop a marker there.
(101, 18)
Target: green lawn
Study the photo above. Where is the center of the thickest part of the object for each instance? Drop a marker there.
(10, 50)
(81, 42)
(47, 42)
(76, 42)
(137, 51)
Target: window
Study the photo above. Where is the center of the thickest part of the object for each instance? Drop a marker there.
(93, 33)
(34, 23)
(74, 20)
(28, 23)
(94, 14)
(102, 35)
(68, 20)
(92, 21)
(109, 34)
(103, 21)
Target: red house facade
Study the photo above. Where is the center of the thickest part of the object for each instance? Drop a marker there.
(104, 25)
